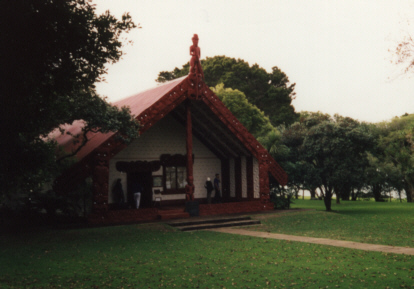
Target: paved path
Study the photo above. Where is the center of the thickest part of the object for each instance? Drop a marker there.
(322, 241)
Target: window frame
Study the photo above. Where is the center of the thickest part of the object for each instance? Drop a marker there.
(177, 161)
(175, 190)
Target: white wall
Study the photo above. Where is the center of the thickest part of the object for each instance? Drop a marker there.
(232, 179)
(256, 178)
(167, 137)
(244, 177)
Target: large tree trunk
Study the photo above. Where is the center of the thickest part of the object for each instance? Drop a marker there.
(399, 195)
(338, 196)
(346, 193)
(355, 193)
(376, 190)
(409, 191)
(313, 193)
(327, 199)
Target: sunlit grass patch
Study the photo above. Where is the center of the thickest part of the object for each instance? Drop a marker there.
(367, 222)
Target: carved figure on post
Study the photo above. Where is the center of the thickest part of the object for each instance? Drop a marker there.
(189, 189)
(195, 52)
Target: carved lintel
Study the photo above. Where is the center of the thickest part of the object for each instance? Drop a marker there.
(138, 166)
(174, 160)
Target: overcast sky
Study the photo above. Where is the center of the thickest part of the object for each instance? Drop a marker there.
(335, 51)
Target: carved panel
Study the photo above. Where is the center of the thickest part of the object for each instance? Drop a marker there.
(100, 178)
(138, 166)
(194, 87)
(174, 160)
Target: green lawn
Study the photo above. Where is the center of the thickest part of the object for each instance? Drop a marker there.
(156, 256)
(361, 221)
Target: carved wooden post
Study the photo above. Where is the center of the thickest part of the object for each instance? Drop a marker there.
(100, 178)
(264, 180)
(189, 147)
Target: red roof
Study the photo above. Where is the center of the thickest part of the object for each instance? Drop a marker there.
(141, 101)
(137, 104)
(231, 138)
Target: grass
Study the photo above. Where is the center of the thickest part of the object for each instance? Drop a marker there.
(157, 256)
(366, 222)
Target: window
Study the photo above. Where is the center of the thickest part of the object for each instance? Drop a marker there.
(175, 178)
(174, 173)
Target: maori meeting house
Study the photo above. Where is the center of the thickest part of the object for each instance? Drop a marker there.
(186, 136)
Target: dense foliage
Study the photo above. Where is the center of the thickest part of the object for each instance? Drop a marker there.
(248, 114)
(52, 53)
(270, 92)
(328, 153)
(343, 157)
(396, 143)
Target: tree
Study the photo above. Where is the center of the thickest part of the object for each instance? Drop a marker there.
(270, 92)
(328, 152)
(302, 175)
(382, 176)
(252, 118)
(52, 53)
(397, 143)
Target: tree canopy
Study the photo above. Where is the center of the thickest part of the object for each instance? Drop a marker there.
(397, 145)
(327, 152)
(270, 92)
(52, 53)
(252, 118)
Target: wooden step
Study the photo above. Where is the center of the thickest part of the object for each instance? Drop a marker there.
(213, 223)
(207, 221)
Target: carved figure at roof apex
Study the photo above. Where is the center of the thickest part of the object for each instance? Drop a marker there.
(195, 64)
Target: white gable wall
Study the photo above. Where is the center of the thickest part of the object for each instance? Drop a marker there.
(232, 179)
(167, 137)
(244, 177)
(256, 184)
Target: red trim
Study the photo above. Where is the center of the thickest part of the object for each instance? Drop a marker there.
(164, 105)
(177, 95)
(216, 106)
(189, 141)
(152, 214)
(232, 208)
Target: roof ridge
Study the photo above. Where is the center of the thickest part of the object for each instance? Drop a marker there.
(159, 85)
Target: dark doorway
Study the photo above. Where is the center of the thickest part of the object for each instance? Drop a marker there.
(144, 179)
